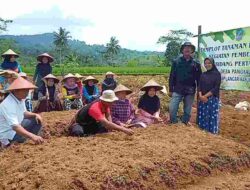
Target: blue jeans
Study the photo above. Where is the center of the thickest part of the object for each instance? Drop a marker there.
(30, 125)
(187, 107)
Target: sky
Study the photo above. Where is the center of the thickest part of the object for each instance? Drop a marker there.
(137, 24)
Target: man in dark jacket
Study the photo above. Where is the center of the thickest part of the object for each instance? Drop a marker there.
(183, 81)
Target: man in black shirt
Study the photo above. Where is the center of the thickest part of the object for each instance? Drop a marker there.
(183, 81)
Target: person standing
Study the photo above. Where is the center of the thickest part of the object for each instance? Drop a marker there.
(43, 68)
(183, 81)
(10, 62)
(209, 97)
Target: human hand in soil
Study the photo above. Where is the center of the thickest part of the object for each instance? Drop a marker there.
(38, 119)
(158, 119)
(129, 122)
(37, 139)
(128, 131)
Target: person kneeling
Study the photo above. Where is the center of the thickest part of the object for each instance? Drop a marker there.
(48, 95)
(149, 106)
(95, 117)
(17, 124)
(122, 110)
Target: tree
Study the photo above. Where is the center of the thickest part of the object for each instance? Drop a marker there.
(61, 39)
(112, 49)
(173, 41)
(3, 24)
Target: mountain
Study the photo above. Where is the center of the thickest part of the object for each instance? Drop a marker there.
(32, 45)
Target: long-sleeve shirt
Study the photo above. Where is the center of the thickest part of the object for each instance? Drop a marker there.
(122, 111)
(210, 82)
(184, 74)
(68, 93)
(91, 97)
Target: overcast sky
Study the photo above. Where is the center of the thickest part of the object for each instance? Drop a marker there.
(136, 24)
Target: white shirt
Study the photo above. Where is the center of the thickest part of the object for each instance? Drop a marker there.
(11, 113)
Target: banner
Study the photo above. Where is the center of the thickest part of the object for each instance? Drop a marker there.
(231, 52)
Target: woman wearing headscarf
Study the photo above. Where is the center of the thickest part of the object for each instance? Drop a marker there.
(149, 105)
(109, 83)
(209, 97)
(49, 95)
(43, 68)
(90, 89)
(10, 62)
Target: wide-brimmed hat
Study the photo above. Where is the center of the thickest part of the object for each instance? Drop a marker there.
(10, 52)
(77, 75)
(109, 73)
(151, 84)
(21, 84)
(90, 78)
(122, 88)
(50, 76)
(9, 74)
(108, 96)
(40, 57)
(22, 74)
(68, 76)
(187, 44)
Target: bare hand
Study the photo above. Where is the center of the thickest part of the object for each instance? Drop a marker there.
(129, 122)
(203, 99)
(128, 131)
(37, 139)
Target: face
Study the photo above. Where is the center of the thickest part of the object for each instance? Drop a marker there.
(187, 51)
(21, 94)
(12, 58)
(71, 81)
(121, 95)
(45, 60)
(90, 83)
(152, 92)
(208, 64)
(109, 76)
(107, 104)
(50, 82)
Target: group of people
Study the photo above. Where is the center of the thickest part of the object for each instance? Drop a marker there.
(107, 108)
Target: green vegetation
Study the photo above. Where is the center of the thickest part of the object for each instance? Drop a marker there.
(101, 70)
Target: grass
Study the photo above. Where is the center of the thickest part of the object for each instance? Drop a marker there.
(101, 70)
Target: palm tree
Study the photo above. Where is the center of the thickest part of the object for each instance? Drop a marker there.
(3, 24)
(113, 48)
(61, 40)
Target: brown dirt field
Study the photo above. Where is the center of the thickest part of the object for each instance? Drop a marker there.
(159, 157)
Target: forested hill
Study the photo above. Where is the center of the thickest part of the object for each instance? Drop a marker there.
(32, 45)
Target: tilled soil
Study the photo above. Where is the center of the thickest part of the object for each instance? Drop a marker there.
(158, 157)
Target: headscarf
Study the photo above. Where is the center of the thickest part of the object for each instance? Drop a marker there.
(213, 63)
(7, 65)
(51, 90)
(149, 104)
(90, 89)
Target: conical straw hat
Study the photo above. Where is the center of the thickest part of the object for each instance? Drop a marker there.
(151, 84)
(40, 57)
(122, 88)
(10, 52)
(21, 83)
(90, 78)
(164, 90)
(50, 76)
(68, 76)
(77, 75)
(9, 74)
(110, 73)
